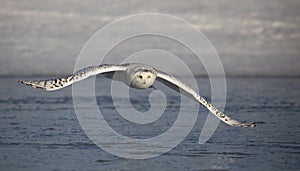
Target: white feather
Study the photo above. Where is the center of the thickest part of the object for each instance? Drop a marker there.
(136, 76)
(201, 100)
(58, 83)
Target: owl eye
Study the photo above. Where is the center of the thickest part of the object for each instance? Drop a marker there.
(149, 76)
(139, 77)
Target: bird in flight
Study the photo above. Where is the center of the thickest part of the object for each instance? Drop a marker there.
(135, 75)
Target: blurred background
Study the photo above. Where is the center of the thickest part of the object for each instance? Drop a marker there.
(258, 42)
(252, 37)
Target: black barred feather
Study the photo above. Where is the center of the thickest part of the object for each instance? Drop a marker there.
(131, 70)
(50, 85)
(58, 83)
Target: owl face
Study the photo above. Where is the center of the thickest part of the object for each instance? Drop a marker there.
(143, 79)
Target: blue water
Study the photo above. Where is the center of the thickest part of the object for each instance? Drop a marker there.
(40, 131)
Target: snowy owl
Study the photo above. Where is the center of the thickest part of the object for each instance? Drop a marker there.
(135, 75)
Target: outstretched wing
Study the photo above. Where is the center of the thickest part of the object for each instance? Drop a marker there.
(174, 81)
(58, 83)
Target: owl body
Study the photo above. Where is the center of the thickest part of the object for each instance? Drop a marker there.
(140, 76)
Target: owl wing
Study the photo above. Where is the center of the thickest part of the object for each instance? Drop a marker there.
(163, 77)
(58, 83)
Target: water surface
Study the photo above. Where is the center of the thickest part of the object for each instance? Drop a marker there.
(39, 130)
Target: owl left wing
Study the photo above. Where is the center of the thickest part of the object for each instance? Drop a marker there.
(163, 77)
(58, 83)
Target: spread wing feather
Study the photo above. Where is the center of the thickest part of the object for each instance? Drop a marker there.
(58, 83)
(209, 106)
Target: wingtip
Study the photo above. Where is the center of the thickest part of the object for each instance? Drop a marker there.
(29, 84)
(22, 82)
(253, 125)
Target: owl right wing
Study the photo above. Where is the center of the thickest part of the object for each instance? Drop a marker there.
(163, 77)
(58, 83)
